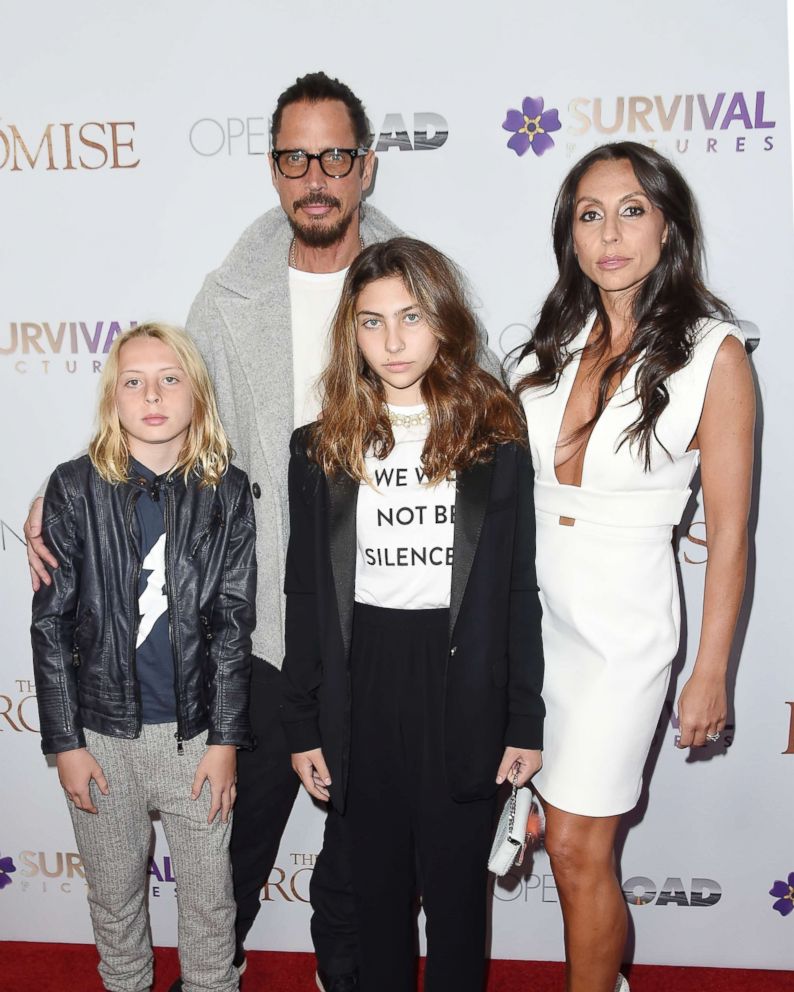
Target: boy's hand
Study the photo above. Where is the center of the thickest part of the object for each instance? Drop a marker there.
(75, 770)
(219, 766)
(38, 552)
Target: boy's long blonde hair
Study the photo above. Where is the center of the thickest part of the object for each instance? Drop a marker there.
(206, 451)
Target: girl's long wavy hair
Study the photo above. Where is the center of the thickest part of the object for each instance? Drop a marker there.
(470, 411)
(667, 306)
(206, 451)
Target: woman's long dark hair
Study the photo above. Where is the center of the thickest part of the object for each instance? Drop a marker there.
(470, 411)
(667, 306)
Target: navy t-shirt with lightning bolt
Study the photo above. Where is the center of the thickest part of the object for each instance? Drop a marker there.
(154, 659)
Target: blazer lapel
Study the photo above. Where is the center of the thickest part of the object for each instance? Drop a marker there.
(471, 502)
(343, 498)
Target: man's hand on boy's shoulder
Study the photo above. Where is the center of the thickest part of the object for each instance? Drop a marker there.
(219, 768)
(75, 770)
(39, 555)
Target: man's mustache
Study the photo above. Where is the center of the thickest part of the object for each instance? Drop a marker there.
(316, 199)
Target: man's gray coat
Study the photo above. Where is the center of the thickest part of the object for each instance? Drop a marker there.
(241, 322)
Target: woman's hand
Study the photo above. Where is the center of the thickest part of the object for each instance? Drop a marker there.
(219, 766)
(75, 770)
(702, 709)
(521, 762)
(311, 769)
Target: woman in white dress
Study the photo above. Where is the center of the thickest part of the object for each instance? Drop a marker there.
(634, 375)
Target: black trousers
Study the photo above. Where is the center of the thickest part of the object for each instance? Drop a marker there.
(400, 813)
(266, 791)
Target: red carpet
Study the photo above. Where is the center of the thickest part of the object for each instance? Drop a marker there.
(29, 967)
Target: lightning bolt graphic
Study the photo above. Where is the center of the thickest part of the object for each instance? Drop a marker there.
(152, 603)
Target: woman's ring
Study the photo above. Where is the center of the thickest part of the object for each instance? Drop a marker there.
(713, 738)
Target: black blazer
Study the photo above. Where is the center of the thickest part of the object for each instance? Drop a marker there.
(495, 663)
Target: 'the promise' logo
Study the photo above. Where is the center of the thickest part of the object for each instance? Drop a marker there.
(69, 147)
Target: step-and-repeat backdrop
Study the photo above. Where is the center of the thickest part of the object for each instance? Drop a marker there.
(132, 155)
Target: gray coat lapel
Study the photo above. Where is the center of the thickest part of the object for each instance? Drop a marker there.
(471, 502)
(264, 355)
(255, 308)
(343, 499)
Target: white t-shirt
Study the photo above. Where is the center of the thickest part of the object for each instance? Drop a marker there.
(405, 528)
(314, 297)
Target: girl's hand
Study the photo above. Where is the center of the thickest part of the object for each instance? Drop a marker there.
(219, 766)
(519, 760)
(702, 710)
(311, 769)
(75, 770)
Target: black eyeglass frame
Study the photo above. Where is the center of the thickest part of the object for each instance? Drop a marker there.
(354, 153)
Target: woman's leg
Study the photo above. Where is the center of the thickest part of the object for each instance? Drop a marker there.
(582, 854)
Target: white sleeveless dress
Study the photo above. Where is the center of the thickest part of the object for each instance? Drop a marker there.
(608, 586)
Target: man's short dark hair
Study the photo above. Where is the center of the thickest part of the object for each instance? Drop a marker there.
(317, 86)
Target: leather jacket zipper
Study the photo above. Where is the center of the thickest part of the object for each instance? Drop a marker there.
(170, 521)
(136, 577)
(216, 521)
(75, 633)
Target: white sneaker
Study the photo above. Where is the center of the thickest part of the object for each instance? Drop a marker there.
(621, 985)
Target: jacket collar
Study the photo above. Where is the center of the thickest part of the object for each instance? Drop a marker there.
(471, 503)
(261, 253)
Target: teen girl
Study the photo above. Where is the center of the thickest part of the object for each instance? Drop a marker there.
(413, 657)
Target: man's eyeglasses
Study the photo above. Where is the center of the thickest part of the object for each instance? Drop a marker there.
(293, 163)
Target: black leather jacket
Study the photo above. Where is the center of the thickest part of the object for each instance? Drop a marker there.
(85, 624)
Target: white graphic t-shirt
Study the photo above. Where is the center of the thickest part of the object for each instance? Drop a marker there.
(405, 528)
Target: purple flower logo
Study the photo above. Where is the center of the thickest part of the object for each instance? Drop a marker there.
(784, 895)
(531, 125)
(6, 867)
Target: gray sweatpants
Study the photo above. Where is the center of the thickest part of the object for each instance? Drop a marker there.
(147, 775)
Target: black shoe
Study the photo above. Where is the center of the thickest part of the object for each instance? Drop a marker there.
(337, 983)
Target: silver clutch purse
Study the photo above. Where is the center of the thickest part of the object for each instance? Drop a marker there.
(511, 838)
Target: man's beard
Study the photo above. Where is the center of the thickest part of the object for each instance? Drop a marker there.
(318, 235)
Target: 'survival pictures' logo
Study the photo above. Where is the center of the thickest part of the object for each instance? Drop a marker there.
(531, 126)
(783, 893)
(42, 348)
(51, 872)
(68, 146)
(711, 122)
(7, 866)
